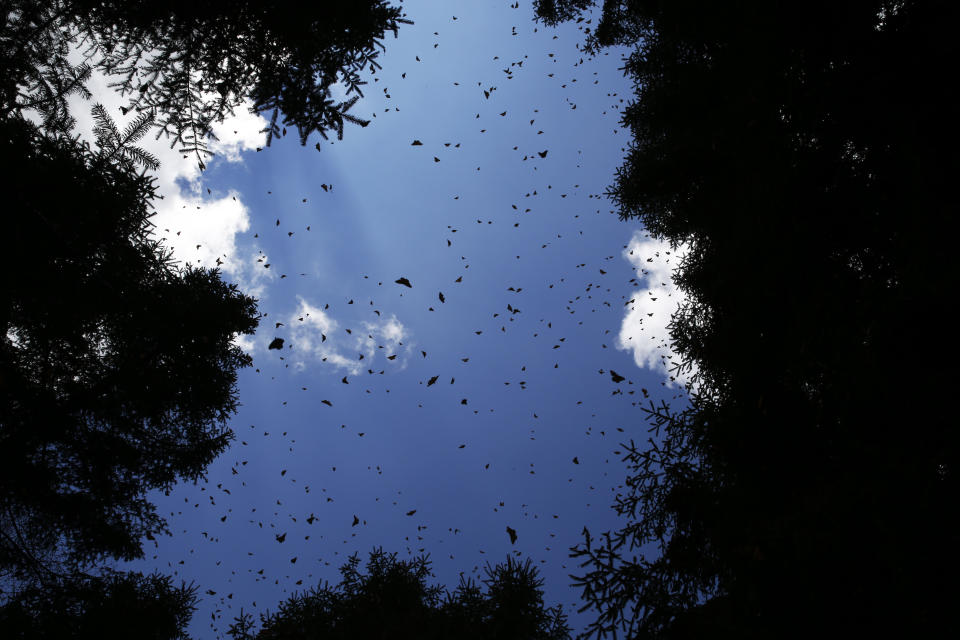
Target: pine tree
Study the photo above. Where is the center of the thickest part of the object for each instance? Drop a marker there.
(805, 154)
(394, 598)
(117, 367)
(112, 606)
(118, 147)
(191, 64)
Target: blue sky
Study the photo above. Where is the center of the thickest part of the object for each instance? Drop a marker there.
(538, 285)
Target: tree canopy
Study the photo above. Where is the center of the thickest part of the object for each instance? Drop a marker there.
(190, 64)
(117, 366)
(803, 153)
(393, 598)
(113, 605)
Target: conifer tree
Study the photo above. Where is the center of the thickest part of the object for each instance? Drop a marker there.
(804, 152)
(190, 64)
(111, 606)
(394, 598)
(118, 367)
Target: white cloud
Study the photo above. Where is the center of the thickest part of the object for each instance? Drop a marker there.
(240, 132)
(252, 272)
(317, 337)
(245, 342)
(187, 215)
(644, 327)
(198, 226)
(387, 335)
(202, 231)
(390, 330)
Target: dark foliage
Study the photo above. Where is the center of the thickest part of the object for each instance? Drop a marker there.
(393, 599)
(118, 372)
(111, 606)
(805, 154)
(189, 64)
(553, 12)
(117, 369)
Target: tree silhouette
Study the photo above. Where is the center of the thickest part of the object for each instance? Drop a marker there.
(393, 598)
(190, 64)
(114, 605)
(804, 153)
(117, 146)
(117, 368)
